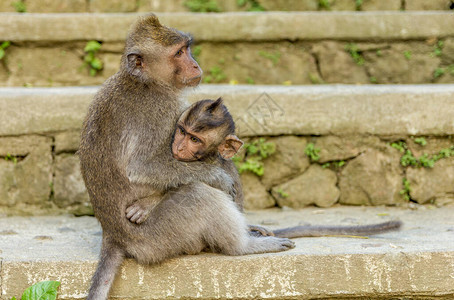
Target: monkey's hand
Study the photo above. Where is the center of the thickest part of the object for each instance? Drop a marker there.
(256, 230)
(139, 211)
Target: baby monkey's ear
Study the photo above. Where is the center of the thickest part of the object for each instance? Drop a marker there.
(230, 146)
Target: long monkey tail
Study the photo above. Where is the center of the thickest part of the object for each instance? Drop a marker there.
(110, 260)
(318, 231)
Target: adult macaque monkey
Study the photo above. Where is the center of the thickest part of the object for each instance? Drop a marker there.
(206, 132)
(127, 164)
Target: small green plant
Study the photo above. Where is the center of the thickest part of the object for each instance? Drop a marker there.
(438, 48)
(3, 47)
(407, 54)
(336, 164)
(274, 57)
(373, 79)
(405, 192)
(282, 193)
(379, 53)
(312, 152)
(355, 53)
(196, 50)
(425, 160)
(255, 152)
(202, 5)
(93, 63)
(315, 79)
(19, 6)
(11, 158)
(215, 75)
(324, 4)
(253, 5)
(358, 4)
(420, 141)
(439, 72)
(44, 290)
(249, 80)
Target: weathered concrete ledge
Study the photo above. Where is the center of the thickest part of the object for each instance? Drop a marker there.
(386, 110)
(234, 26)
(416, 262)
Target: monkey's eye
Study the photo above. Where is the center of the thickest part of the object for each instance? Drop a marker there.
(179, 53)
(194, 139)
(181, 130)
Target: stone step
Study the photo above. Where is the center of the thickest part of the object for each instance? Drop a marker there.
(415, 263)
(383, 110)
(109, 6)
(263, 48)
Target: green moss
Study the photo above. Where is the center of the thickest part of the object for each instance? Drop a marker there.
(312, 152)
(215, 75)
(355, 53)
(254, 153)
(202, 5)
(91, 61)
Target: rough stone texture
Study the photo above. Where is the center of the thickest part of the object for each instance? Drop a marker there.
(7, 6)
(110, 6)
(288, 160)
(52, 6)
(395, 265)
(250, 61)
(433, 146)
(234, 27)
(427, 5)
(373, 5)
(26, 181)
(316, 186)
(390, 65)
(335, 148)
(289, 5)
(255, 194)
(264, 110)
(342, 5)
(44, 66)
(447, 55)
(161, 6)
(336, 65)
(69, 188)
(430, 184)
(373, 178)
(67, 141)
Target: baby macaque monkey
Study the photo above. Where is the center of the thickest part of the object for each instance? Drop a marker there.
(205, 131)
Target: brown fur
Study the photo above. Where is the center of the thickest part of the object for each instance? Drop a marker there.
(127, 164)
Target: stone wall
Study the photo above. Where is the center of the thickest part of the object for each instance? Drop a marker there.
(65, 6)
(268, 48)
(355, 145)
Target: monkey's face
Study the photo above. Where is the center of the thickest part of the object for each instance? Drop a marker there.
(187, 72)
(188, 145)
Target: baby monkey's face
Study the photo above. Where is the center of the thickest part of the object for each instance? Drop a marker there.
(203, 132)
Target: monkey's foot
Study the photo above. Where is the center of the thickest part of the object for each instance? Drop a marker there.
(256, 230)
(139, 211)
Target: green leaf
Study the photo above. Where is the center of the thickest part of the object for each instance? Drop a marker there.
(92, 46)
(2, 53)
(92, 72)
(5, 45)
(45, 290)
(96, 63)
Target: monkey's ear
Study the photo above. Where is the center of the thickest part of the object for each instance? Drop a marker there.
(213, 106)
(231, 145)
(134, 63)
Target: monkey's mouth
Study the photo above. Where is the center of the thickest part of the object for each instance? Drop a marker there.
(194, 80)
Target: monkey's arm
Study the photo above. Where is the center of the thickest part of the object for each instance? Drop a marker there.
(163, 172)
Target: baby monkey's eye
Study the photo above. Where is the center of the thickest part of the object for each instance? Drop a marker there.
(194, 139)
(179, 53)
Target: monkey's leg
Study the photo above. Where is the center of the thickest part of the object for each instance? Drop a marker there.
(110, 260)
(139, 211)
(228, 232)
